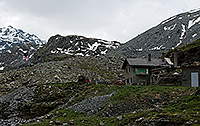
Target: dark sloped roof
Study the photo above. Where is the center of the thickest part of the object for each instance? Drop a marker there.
(143, 62)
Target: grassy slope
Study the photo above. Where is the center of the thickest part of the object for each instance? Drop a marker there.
(159, 105)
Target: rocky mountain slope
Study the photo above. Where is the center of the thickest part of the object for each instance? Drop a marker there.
(22, 82)
(171, 33)
(97, 70)
(14, 58)
(64, 46)
(14, 45)
(20, 86)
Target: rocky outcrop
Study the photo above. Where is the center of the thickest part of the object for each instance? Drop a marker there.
(14, 58)
(15, 121)
(9, 103)
(91, 105)
(9, 106)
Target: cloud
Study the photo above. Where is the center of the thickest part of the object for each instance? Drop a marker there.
(107, 19)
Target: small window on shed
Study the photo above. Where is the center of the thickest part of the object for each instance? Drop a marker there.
(127, 81)
(128, 70)
(141, 71)
(131, 80)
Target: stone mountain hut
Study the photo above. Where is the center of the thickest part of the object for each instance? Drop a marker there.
(138, 71)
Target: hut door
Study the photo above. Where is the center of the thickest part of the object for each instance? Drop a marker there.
(195, 79)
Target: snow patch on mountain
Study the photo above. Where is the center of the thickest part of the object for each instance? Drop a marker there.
(193, 22)
(178, 44)
(157, 48)
(139, 49)
(24, 51)
(1, 68)
(180, 18)
(94, 46)
(2, 47)
(194, 35)
(170, 28)
(183, 32)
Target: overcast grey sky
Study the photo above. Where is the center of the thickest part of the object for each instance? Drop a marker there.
(119, 20)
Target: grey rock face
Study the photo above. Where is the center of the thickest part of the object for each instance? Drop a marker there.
(9, 111)
(90, 105)
(9, 103)
(15, 121)
(171, 33)
(15, 57)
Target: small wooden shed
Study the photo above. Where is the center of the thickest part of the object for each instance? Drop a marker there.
(191, 76)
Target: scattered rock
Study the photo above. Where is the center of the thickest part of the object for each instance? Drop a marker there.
(140, 119)
(90, 105)
(94, 68)
(51, 122)
(65, 124)
(119, 118)
(57, 122)
(71, 122)
(101, 123)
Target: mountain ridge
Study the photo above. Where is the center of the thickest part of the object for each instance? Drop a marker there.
(173, 32)
(73, 45)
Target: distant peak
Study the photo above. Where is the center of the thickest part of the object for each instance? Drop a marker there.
(10, 37)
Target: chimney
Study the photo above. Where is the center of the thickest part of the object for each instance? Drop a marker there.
(149, 57)
(175, 58)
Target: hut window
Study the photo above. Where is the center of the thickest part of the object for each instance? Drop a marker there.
(141, 71)
(128, 69)
(127, 81)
